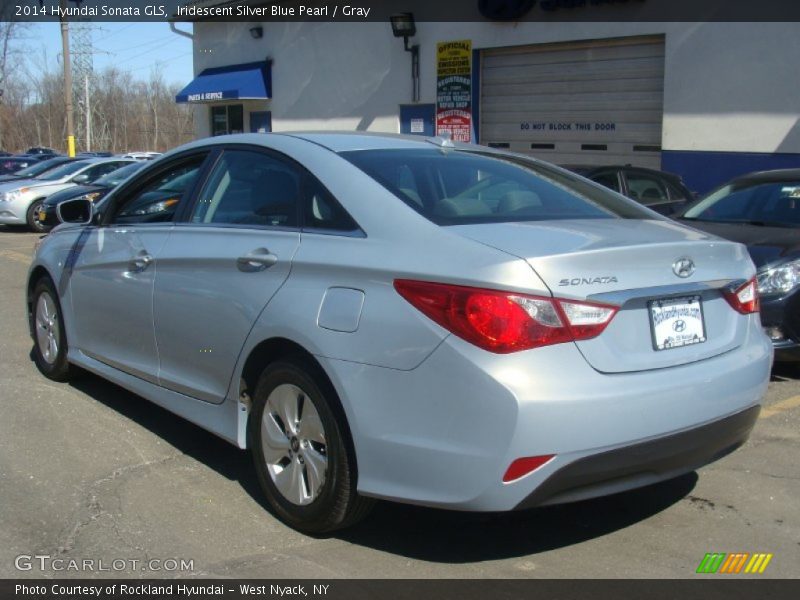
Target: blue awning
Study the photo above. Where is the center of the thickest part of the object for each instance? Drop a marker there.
(234, 82)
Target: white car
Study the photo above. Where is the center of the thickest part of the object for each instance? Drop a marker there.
(20, 200)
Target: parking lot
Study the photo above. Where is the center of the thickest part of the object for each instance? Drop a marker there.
(90, 471)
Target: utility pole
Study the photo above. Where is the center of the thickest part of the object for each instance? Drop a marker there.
(67, 80)
(88, 110)
(81, 62)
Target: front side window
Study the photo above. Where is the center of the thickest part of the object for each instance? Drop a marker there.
(250, 188)
(157, 200)
(451, 187)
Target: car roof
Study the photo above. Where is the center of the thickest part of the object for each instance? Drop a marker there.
(337, 141)
(93, 160)
(769, 176)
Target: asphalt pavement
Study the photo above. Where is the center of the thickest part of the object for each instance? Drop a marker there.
(103, 484)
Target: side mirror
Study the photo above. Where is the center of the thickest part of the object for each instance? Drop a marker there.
(82, 178)
(79, 211)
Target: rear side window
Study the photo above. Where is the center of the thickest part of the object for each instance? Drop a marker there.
(608, 179)
(322, 212)
(646, 189)
(250, 188)
(450, 187)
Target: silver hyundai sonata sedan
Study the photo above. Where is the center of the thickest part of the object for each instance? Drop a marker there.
(409, 319)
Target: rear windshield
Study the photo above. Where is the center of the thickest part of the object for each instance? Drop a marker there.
(451, 187)
(774, 204)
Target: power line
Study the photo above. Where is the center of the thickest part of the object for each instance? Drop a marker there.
(159, 61)
(159, 41)
(118, 31)
(124, 60)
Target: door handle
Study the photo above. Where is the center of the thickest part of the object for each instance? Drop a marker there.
(256, 260)
(140, 262)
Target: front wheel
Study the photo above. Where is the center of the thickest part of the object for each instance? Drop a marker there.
(50, 340)
(300, 450)
(32, 217)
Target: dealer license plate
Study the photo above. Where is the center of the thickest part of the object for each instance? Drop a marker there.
(677, 322)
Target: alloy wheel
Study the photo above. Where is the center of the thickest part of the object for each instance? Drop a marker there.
(47, 328)
(293, 443)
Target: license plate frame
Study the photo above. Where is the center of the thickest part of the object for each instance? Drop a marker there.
(666, 332)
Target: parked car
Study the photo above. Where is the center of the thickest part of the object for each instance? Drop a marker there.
(40, 150)
(12, 164)
(660, 191)
(20, 200)
(373, 317)
(96, 191)
(4, 153)
(762, 211)
(36, 168)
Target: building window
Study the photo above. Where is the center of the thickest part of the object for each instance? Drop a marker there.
(227, 119)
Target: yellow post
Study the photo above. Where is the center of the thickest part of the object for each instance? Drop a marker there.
(71, 146)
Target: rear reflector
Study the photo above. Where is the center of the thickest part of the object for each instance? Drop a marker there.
(523, 466)
(743, 299)
(504, 322)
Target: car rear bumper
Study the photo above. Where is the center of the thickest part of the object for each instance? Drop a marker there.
(645, 462)
(443, 434)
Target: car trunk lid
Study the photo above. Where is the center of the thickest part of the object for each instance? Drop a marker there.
(629, 263)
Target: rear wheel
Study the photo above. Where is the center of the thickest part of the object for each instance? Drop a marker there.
(32, 217)
(300, 450)
(50, 340)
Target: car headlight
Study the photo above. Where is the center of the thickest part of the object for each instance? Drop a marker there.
(14, 194)
(779, 279)
(91, 196)
(157, 207)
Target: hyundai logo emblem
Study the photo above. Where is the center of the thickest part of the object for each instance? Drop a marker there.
(679, 325)
(683, 267)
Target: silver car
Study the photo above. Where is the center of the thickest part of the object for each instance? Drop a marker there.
(409, 319)
(21, 199)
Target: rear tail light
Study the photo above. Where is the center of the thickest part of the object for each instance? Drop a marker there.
(504, 322)
(743, 299)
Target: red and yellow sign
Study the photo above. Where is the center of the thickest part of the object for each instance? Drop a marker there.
(454, 89)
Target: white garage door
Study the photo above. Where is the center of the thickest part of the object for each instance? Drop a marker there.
(594, 102)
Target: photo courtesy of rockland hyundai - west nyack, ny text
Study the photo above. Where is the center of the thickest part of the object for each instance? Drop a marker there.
(459, 299)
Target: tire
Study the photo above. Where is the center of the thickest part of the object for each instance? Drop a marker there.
(305, 469)
(32, 217)
(49, 338)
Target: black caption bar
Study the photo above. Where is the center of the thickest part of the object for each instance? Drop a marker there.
(381, 10)
(543, 589)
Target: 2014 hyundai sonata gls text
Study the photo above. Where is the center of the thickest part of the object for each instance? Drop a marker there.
(407, 318)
